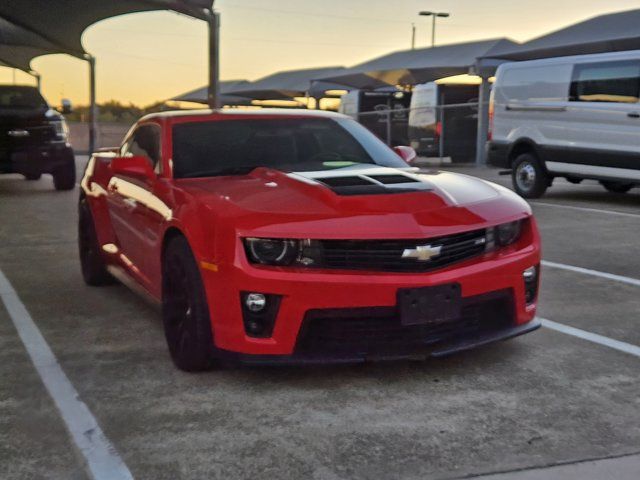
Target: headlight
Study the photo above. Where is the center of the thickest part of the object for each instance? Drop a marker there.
(282, 252)
(268, 251)
(508, 233)
(62, 130)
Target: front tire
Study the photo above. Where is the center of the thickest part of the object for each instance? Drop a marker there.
(616, 187)
(64, 176)
(94, 269)
(529, 177)
(185, 312)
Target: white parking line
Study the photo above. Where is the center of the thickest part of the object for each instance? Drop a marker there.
(585, 209)
(595, 273)
(592, 337)
(103, 461)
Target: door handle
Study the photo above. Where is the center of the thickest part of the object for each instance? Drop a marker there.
(633, 115)
(130, 202)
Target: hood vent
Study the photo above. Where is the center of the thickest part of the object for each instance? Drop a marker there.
(373, 184)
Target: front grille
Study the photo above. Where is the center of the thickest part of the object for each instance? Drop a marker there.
(386, 255)
(38, 135)
(378, 331)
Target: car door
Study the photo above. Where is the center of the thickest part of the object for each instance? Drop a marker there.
(135, 211)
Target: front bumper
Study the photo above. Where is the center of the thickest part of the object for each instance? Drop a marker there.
(35, 159)
(304, 292)
(498, 154)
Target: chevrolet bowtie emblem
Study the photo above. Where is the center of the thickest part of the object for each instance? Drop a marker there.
(422, 253)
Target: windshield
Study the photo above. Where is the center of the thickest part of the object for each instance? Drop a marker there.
(227, 147)
(21, 97)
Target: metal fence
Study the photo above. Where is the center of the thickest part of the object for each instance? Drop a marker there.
(444, 131)
(109, 135)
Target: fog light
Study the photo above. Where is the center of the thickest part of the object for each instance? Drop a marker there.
(530, 276)
(255, 302)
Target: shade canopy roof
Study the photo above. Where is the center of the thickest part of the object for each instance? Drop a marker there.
(606, 33)
(287, 85)
(411, 67)
(38, 27)
(201, 95)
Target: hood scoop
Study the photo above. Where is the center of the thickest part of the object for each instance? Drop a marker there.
(376, 182)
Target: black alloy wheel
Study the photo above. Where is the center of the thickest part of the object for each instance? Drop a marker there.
(94, 269)
(185, 312)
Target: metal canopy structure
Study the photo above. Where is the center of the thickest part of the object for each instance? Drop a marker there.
(606, 33)
(201, 95)
(62, 22)
(31, 28)
(288, 84)
(411, 67)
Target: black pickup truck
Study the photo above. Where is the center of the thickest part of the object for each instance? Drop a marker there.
(33, 137)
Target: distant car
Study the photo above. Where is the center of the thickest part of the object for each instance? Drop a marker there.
(573, 117)
(279, 237)
(34, 137)
(443, 120)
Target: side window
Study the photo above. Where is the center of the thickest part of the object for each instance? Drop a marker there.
(145, 142)
(617, 82)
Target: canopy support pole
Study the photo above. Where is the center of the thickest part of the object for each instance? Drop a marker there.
(93, 108)
(483, 121)
(214, 60)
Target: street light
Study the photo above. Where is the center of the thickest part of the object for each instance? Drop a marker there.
(433, 28)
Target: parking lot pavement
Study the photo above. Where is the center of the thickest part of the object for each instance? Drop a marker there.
(541, 400)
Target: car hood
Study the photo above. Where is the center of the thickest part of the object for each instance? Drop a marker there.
(369, 202)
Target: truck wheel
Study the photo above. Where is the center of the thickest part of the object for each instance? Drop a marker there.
(529, 178)
(185, 313)
(94, 270)
(64, 177)
(616, 187)
(33, 176)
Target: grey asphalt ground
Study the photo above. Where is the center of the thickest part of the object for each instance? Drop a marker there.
(546, 405)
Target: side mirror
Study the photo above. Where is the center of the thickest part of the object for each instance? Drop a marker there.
(67, 107)
(407, 154)
(136, 166)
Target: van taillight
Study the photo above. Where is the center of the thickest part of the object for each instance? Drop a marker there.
(438, 130)
(491, 115)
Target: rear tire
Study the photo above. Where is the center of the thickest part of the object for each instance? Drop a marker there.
(64, 177)
(185, 312)
(529, 177)
(32, 177)
(94, 269)
(616, 187)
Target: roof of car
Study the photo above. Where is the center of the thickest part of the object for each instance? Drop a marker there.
(201, 114)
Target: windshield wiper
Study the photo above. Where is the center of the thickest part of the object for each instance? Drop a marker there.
(238, 170)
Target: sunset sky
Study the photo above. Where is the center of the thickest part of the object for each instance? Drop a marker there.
(154, 56)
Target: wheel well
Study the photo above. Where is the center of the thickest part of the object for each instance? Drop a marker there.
(169, 235)
(520, 148)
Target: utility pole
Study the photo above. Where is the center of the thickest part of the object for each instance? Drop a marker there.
(434, 15)
(413, 36)
(214, 60)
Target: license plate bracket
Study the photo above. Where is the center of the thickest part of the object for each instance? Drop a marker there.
(430, 305)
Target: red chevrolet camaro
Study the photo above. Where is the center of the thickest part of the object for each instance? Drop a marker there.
(295, 237)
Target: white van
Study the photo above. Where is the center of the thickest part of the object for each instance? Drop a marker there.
(450, 132)
(573, 117)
